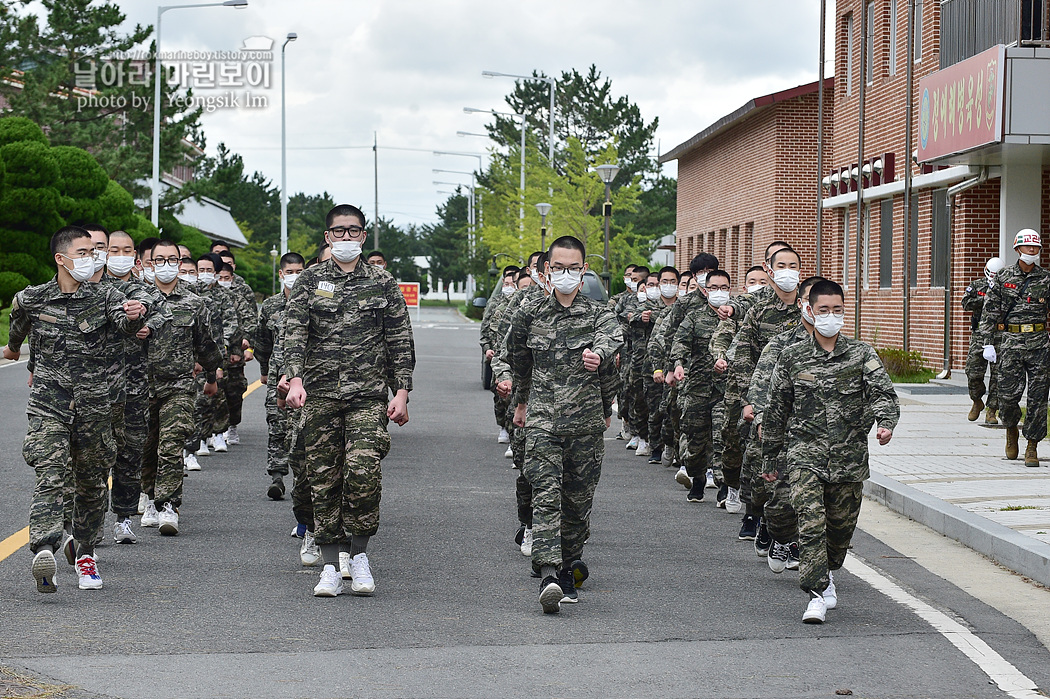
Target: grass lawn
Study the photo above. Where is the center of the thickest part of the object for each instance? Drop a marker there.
(921, 376)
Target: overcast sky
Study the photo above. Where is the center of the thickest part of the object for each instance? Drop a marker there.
(406, 68)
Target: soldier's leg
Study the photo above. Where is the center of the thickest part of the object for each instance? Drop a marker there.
(654, 401)
(543, 469)
(1036, 368)
(236, 385)
(976, 366)
(175, 420)
(779, 514)
(639, 408)
(1011, 386)
(220, 415)
(127, 473)
(993, 387)
(674, 403)
(761, 489)
(203, 415)
(92, 455)
(302, 495)
(581, 469)
(277, 436)
(718, 416)
(150, 448)
(522, 487)
(842, 508)
(697, 437)
(367, 442)
(46, 450)
(807, 494)
(732, 452)
(323, 424)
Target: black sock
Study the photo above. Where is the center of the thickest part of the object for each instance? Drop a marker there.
(548, 572)
(85, 550)
(330, 554)
(358, 544)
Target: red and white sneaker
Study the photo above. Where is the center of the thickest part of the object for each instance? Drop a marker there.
(87, 572)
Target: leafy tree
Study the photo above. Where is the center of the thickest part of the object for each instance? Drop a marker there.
(447, 243)
(400, 246)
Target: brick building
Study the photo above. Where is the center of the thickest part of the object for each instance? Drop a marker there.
(980, 126)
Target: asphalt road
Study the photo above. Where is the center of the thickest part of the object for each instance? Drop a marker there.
(676, 606)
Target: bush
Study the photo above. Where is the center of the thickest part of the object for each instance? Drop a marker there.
(899, 362)
(29, 164)
(22, 263)
(10, 284)
(33, 209)
(80, 175)
(15, 128)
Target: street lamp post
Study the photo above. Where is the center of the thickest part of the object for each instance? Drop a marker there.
(552, 83)
(544, 209)
(292, 36)
(155, 200)
(473, 228)
(607, 173)
(273, 275)
(521, 186)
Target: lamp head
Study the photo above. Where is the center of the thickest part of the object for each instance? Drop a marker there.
(544, 209)
(239, 4)
(607, 172)
(292, 36)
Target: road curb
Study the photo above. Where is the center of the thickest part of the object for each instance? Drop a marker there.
(1018, 552)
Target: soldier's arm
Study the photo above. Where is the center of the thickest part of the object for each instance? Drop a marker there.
(205, 351)
(880, 391)
(397, 333)
(971, 300)
(656, 348)
(608, 336)
(682, 343)
(19, 324)
(993, 304)
(296, 330)
(778, 408)
(519, 356)
(723, 337)
(758, 391)
(262, 345)
(609, 381)
(745, 355)
(115, 311)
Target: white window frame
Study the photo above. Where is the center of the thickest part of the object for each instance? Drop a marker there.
(893, 37)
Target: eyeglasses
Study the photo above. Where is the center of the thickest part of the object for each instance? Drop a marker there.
(720, 287)
(559, 268)
(341, 232)
(174, 260)
(838, 312)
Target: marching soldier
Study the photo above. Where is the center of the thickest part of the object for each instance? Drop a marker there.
(976, 364)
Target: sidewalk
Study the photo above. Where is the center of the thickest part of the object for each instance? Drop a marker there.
(952, 475)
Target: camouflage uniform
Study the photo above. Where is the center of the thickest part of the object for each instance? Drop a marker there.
(1016, 301)
(211, 414)
(172, 351)
(70, 435)
(347, 336)
(728, 445)
(625, 405)
(565, 419)
(658, 394)
(976, 366)
(269, 354)
(821, 407)
(490, 340)
(233, 381)
(668, 325)
(701, 390)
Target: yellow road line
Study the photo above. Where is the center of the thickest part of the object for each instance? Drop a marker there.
(13, 543)
(251, 387)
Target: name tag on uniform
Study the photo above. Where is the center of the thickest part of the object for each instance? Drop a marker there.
(47, 319)
(326, 289)
(84, 326)
(872, 364)
(805, 376)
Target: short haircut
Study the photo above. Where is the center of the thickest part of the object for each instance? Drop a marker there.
(670, 270)
(685, 275)
(94, 227)
(720, 273)
(214, 259)
(783, 251)
(376, 253)
(569, 242)
(825, 287)
(162, 244)
(227, 253)
(218, 244)
(541, 261)
(756, 268)
(65, 236)
(343, 210)
(147, 244)
(510, 269)
(292, 258)
(806, 283)
(704, 260)
(312, 261)
(775, 244)
(654, 275)
(628, 269)
(121, 234)
(523, 273)
(533, 257)
(641, 269)
(225, 267)
(186, 261)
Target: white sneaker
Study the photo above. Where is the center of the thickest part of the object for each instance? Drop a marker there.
(362, 583)
(733, 504)
(309, 552)
(150, 518)
(44, 569)
(219, 440)
(526, 542)
(643, 448)
(122, 532)
(231, 436)
(633, 444)
(682, 477)
(778, 557)
(504, 437)
(87, 573)
(625, 434)
(831, 595)
(344, 565)
(143, 499)
(202, 450)
(710, 479)
(816, 611)
(667, 457)
(190, 461)
(169, 520)
(509, 454)
(330, 585)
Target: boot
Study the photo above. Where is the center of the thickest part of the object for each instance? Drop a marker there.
(1011, 442)
(1031, 455)
(975, 410)
(989, 417)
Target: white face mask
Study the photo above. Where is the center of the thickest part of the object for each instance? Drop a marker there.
(682, 293)
(807, 313)
(641, 295)
(566, 281)
(100, 259)
(166, 272)
(631, 284)
(188, 278)
(717, 298)
(508, 290)
(786, 279)
(288, 281)
(828, 325)
(346, 250)
(83, 268)
(535, 276)
(148, 274)
(226, 284)
(652, 292)
(1030, 259)
(206, 278)
(119, 265)
(668, 291)
(754, 287)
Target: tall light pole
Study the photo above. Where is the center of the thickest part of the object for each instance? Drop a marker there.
(472, 235)
(155, 200)
(273, 275)
(544, 209)
(521, 186)
(607, 173)
(292, 36)
(552, 83)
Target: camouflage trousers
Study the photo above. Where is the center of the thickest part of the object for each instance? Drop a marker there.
(639, 414)
(564, 472)
(130, 429)
(729, 455)
(499, 409)
(673, 433)
(234, 384)
(827, 518)
(69, 460)
(779, 512)
(207, 414)
(278, 430)
(697, 445)
(976, 367)
(170, 425)
(302, 496)
(759, 489)
(344, 446)
(1016, 368)
(654, 398)
(522, 487)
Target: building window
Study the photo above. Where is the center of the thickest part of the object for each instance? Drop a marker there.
(849, 54)
(734, 250)
(886, 244)
(893, 37)
(866, 246)
(939, 238)
(869, 43)
(917, 28)
(845, 247)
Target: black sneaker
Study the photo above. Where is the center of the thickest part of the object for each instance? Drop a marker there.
(720, 498)
(519, 536)
(550, 595)
(748, 528)
(568, 587)
(579, 572)
(762, 540)
(276, 489)
(696, 491)
(657, 456)
(793, 559)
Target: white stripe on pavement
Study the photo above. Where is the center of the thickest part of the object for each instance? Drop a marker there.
(1007, 677)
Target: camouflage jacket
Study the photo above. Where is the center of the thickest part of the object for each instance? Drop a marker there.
(247, 308)
(222, 314)
(347, 335)
(640, 331)
(973, 301)
(68, 335)
(822, 406)
(545, 352)
(765, 320)
(1017, 299)
(758, 392)
(175, 347)
(657, 349)
(625, 309)
(691, 350)
(742, 303)
(267, 341)
(128, 369)
(500, 361)
(490, 337)
(723, 346)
